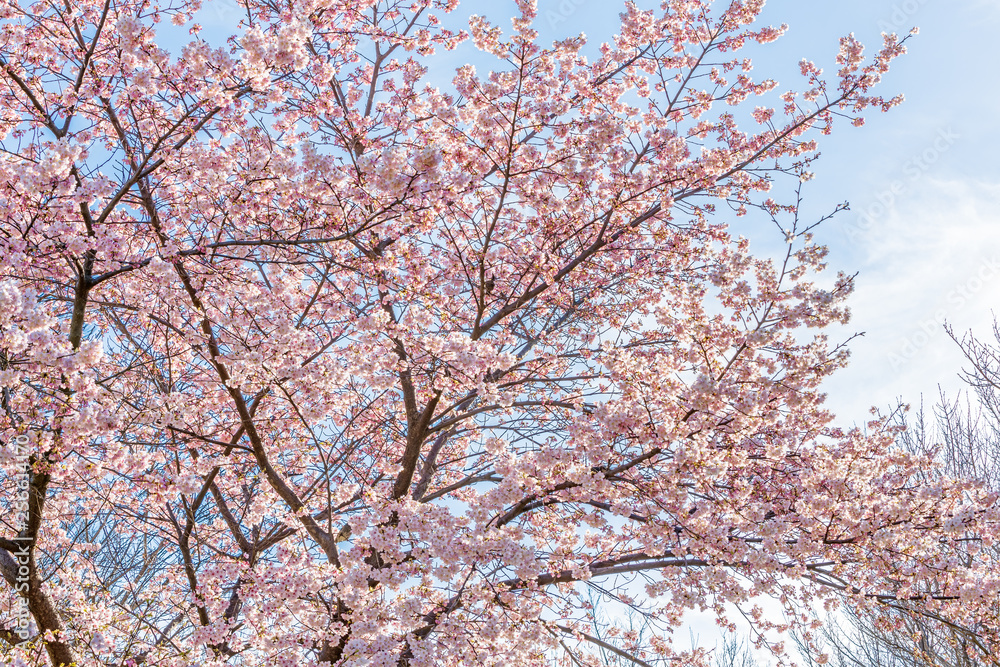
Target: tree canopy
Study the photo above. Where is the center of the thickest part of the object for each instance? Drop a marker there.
(306, 361)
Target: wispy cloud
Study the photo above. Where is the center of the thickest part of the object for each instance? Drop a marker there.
(934, 257)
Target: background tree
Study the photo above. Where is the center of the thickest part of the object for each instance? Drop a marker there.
(961, 435)
(317, 363)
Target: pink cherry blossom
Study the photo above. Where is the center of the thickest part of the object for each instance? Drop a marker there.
(306, 360)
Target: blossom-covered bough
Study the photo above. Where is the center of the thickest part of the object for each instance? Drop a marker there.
(313, 363)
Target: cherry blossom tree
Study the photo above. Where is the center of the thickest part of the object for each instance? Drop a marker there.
(961, 434)
(308, 361)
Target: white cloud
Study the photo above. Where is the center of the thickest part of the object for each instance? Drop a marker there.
(933, 258)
